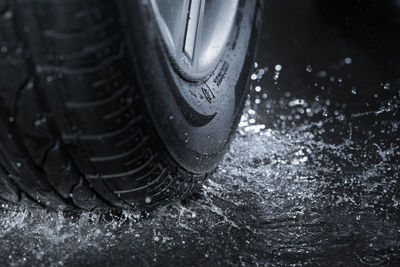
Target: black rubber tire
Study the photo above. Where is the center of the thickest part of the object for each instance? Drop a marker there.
(74, 129)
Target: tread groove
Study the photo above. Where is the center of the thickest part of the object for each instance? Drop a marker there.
(122, 174)
(101, 136)
(56, 34)
(79, 71)
(95, 103)
(115, 114)
(121, 155)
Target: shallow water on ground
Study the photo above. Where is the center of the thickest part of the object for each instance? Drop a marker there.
(321, 191)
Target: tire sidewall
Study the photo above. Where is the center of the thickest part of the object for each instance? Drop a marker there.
(194, 120)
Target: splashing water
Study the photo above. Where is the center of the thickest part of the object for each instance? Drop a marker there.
(323, 190)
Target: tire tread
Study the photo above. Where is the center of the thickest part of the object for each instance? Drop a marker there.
(73, 129)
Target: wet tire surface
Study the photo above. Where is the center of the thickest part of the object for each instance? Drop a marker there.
(73, 130)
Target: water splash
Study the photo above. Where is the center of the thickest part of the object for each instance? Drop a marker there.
(302, 189)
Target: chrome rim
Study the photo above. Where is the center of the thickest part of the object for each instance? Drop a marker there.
(195, 32)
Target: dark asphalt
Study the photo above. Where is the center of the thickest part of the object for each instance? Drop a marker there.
(312, 177)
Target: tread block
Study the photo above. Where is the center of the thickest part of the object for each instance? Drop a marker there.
(32, 121)
(3, 6)
(8, 35)
(83, 197)
(60, 172)
(8, 191)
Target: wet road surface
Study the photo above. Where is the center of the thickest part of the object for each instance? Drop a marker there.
(312, 177)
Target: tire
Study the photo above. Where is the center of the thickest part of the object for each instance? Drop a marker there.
(90, 115)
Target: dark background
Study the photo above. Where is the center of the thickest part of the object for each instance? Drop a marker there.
(322, 34)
